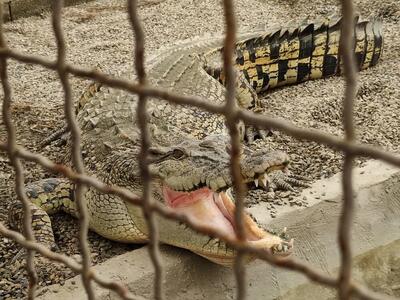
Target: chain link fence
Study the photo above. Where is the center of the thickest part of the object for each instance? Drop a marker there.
(346, 288)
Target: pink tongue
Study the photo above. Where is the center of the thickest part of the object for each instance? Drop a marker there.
(175, 199)
(200, 207)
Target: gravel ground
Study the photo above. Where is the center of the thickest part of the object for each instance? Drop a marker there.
(98, 34)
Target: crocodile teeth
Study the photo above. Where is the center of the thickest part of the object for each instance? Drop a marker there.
(196, 181)
(256, 182)
(263, 181)
(229, 193)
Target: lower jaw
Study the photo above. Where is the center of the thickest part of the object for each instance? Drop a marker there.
(223, 260)
(217, 211)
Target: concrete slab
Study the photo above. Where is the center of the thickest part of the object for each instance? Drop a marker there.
(377, 223)
(379, 269)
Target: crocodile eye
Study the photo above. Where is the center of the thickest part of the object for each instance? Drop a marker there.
(178, 153)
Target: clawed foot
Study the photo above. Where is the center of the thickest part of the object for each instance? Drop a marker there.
(286, 246)
(252, 133)
(58, 137)
(277, 244)
(283, 234)
(280, 180)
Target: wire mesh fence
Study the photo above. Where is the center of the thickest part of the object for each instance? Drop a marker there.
(343, 283)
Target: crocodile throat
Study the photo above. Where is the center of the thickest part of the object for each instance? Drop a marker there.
(208, 208)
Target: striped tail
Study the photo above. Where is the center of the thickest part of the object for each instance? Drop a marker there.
(289, 56)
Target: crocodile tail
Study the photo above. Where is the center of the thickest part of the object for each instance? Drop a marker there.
(311, 51)
(369, 43)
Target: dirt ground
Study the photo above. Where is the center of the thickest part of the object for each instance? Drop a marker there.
(98, 34)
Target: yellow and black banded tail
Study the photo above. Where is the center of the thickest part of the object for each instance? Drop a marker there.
(289, 56)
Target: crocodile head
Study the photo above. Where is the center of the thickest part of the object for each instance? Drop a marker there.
(193, 178)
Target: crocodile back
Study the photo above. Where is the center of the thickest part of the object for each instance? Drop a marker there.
(267, 58)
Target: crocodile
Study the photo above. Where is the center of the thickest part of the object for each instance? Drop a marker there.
(189, 154)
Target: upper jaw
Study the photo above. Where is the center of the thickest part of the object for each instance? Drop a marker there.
(216, 175)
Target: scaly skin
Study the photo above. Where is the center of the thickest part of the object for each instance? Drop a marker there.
(189, 156)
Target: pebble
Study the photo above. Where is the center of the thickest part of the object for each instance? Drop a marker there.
(396, 287)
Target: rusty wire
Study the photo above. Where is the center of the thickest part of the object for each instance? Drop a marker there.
(347, 38)
(344, 284)
(232, 125)
(17, 165)
(142, 119)
(75, 147)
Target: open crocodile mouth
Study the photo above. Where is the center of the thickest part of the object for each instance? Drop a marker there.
(216, 210)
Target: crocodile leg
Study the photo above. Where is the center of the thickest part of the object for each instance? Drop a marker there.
(41, 223)
(245, 94)
(52, 195)
(47, 196)
(246, 98)
(55, 136)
